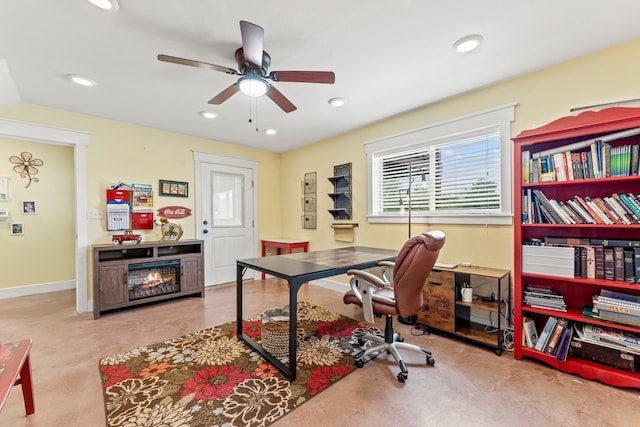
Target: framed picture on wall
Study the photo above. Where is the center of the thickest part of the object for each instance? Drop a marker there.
(29, 207)
(174, 188)
(17, 229)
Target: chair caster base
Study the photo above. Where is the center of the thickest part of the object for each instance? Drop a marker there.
(402, 377)
(431, 361)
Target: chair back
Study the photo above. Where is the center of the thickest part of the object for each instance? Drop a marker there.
(412, 267)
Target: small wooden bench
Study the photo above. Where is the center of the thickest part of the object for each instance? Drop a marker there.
(15, 368)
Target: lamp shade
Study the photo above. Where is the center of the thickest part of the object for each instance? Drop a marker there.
(252, 86)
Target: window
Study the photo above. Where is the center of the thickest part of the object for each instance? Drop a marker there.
(458, 172)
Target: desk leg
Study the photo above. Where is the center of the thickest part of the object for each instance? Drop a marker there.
(239, 299)
(264, 253)
(27, 387)
(294, 286)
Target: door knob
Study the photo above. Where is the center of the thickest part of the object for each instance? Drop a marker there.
(205, 231)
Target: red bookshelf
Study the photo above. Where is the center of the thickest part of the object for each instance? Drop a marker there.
(577, 292)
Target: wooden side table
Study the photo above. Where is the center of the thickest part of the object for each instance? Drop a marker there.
(15, 368)
(279, 244)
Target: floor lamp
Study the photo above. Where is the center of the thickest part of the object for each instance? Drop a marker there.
(409, 194)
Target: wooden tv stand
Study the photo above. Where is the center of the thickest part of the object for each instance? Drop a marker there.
(135, 274)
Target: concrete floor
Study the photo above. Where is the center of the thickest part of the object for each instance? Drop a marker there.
(468, 386)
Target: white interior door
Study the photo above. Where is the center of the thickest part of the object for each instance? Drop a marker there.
(226, 219)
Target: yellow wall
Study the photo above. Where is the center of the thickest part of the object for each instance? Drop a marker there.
(133, 154)
(123, 152)
(542, 96)
(45, 253)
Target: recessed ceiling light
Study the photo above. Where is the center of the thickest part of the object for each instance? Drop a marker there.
(270, 131)
(106, 4)
(336, 102)
(82, 81)
(468, 43)
(208, 114)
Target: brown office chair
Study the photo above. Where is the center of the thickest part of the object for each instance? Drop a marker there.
(399, 295)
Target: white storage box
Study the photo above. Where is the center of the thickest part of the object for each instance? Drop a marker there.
(549, 260)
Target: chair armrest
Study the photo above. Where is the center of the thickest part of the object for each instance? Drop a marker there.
(387, 267)
(368, 277)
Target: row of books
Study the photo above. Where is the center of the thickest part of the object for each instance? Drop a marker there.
(605, 259)
(544, 297)
(614, 209)
(555, 337)
(598, 160)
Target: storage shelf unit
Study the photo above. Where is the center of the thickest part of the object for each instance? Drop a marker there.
(444, 310)
(134, 274)
(341, 194)
(309, 201)
(578, 291)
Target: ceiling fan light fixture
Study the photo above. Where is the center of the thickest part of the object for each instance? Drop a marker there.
(82, 81)
(111, 5)
(252, 86)
(336, 102)
(468, 43)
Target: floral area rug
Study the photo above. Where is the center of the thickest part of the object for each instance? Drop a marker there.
(210, 378)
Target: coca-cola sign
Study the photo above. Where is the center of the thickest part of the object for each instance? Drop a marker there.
(174, 212)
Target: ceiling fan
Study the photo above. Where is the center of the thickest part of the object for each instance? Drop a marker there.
(253, 65)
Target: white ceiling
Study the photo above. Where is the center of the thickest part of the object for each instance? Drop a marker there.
(389, 57)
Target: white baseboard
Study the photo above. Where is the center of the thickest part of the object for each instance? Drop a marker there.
(20, 291)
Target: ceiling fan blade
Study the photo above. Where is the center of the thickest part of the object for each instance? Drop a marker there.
(303, 76)
(252, 42)
(281, 100)
(225, 94)
(192, 63)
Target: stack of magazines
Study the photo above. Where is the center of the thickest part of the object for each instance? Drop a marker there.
(608, 337)
(544, 297)
(617, 307)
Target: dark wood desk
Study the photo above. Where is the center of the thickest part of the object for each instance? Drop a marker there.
(297, 269)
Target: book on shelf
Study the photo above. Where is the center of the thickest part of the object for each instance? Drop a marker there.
(546, 333)
(609, 264)
(618, 263)
(530, 333)
(620, 296)
(554, 340)
(598, 263)
(526, 160)
(617, 317)
(629, 267)
(636, 263)
(564, 345)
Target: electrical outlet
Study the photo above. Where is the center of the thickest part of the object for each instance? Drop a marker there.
(94, 214)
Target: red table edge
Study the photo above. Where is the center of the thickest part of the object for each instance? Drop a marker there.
(22, 374)
(281, 245)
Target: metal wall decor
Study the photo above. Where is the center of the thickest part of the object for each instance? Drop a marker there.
(25, 165)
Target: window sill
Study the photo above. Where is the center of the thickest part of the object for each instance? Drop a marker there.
(496, 219)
